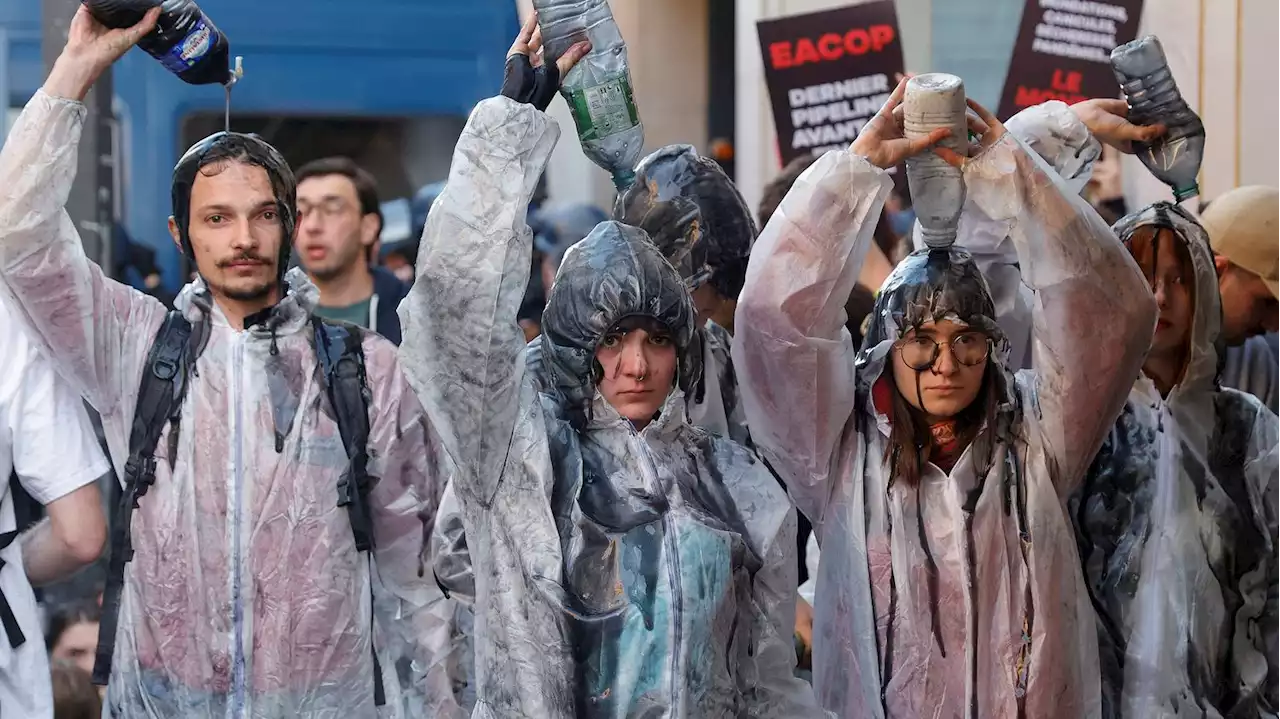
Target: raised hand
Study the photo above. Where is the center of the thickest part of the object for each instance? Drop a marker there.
(91, 48)
(1106, 119)
(882, 141)
(528, 79)
(982, 123)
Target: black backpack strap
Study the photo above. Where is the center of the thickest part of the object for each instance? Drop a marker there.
(26, 512)
(164, 381)
(7, 618)
(342, 374)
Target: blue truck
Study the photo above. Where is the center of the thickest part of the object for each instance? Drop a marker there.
(388, 82)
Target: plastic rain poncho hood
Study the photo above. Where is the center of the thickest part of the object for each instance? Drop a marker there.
(617, 573)
(695, 215)
(1176, 525)
(960, 596)
(246, 596)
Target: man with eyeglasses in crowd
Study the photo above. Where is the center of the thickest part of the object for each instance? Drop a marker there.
(339, 221)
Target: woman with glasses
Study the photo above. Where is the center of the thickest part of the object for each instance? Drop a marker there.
(949, 583)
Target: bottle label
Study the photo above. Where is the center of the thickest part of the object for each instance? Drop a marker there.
(605, 109)
(184, 55)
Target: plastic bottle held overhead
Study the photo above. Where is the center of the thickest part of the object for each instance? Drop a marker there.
(598, 89)
(1143, 73)
(935, 100)
(185, 41)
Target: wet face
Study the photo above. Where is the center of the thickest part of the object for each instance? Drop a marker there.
(78, 644)
(333, 234)
(235, 230)
(639, 370)
(938, 367)
(1170, 274)
(1248, 307)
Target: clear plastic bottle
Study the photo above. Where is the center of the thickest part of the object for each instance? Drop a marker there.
(1143, 73)
(598, 90)
(936, 100)
(185, 41)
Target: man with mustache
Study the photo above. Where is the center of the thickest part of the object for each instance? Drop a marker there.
(272, 562)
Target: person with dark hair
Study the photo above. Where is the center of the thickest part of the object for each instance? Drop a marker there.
(72, 635)
(935, 479)
(1176, 521)
(279, 475)
(627, 564)
(339, 220)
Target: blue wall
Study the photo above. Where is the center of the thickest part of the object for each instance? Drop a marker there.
(301, 57)
(21, 21)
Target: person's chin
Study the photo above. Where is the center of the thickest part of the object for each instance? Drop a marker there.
(637, 410)
(946, 404)
(246, 289)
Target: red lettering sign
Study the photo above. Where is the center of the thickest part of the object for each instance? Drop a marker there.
(830, 46)
(1067, 81)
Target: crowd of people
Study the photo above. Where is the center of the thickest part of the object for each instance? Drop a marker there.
(678, 459)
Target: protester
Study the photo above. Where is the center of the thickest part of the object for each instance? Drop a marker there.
(46, 440)
(1176, 521)
(249, 593)
(339, 220)
(1243, 225)
(73, 634)
(650, 564)
(931, 490)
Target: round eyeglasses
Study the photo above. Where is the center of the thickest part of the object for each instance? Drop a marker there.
(921, 352)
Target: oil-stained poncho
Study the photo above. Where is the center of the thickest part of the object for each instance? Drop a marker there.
(246, 596)
(1176, 524)
(617, 573)
(961, 596)
(697, 219)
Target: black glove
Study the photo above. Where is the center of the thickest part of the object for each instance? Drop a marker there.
(532, 86)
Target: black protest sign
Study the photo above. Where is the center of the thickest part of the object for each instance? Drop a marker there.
(1063, 51)
(828, 73)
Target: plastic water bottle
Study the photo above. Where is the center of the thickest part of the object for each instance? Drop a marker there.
(598, 89)
(932, 101)
(184, 40)
(1143, 72)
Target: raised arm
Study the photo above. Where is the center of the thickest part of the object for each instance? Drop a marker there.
(462, 346)
(791, 351)
(90, 327)
(1092, 312)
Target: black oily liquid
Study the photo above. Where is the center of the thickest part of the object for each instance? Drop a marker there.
(185, 41)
